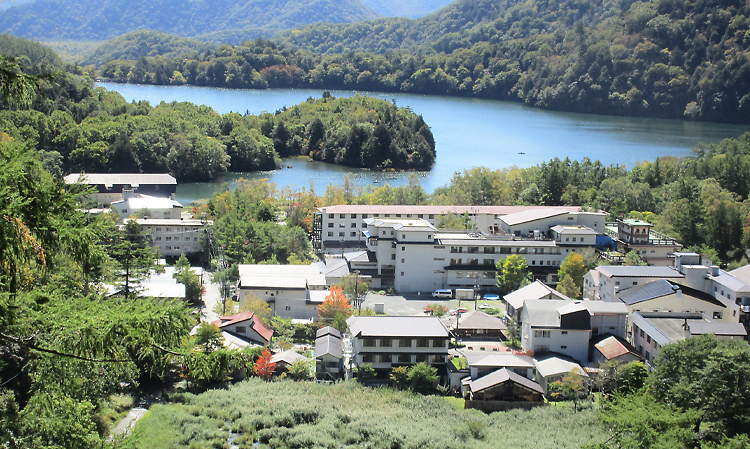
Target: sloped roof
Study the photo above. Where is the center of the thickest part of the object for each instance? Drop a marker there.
(612, 347)
(132, 179)
(257, 324)
(476, 319)
(661, 288)
(501, 376)
(639, 271)
(727, 329)
(328, 330)
(604, 307)
(328, 345)
(436, 210)
(280, 276)
(360, 256)
(742, 273)
(554, 365)
(531, 215)
(535, 290)
(288, 357)
(578, 230)
(397, 326)
(543, 313)
(500, 359)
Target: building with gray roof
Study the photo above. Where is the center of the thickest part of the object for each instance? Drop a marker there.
(505, 385)
(110, 187)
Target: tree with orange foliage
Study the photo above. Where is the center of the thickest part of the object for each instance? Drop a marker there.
(334, 305)
(264, 367)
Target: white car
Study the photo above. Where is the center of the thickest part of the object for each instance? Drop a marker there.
(442, 294)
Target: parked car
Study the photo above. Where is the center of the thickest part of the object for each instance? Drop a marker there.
(443, 294)
(491, 297)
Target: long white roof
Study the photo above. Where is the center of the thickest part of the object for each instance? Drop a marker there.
(397, 326)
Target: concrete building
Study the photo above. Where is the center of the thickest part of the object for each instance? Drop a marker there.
(292, 291)
(604, 282)
(536, 290)
(653, 247)
(157, 208)
(654, 330)
(110, 187)
(386, 342)
(173, 237)
(335, 227)
(411, 255)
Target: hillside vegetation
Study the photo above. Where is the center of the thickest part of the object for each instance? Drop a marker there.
(304, 414)
(142, 43)
(86, 20)
(663, 58)
(405, 8)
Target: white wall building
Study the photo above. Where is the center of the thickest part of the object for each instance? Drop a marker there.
(111, 186)
(292, 291)
(604, 282)
(173, 237)
(336, 226)
(162, 208)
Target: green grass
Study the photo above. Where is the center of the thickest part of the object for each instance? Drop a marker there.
(460, 362)
(289, 414)
(457, 403)
(113, 410)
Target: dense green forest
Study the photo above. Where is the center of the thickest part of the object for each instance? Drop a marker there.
(79, 127)
(142, 43)
(663, 58)
(85, 20)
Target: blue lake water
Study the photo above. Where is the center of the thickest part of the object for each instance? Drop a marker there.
(468, 133)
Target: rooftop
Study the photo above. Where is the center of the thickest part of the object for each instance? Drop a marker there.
(635, 222)
(288, 357)
(501, 376)
(328, 330)
(109, 179)
(476, 319)
(535, 290)
(500, 359)
(531, 215)
(435, 210)
(149, 202)
(280, 276)
(661, 288)
(257, 325)
(555, 365)
(413, 224)
(612, 347)
(671, 325)
(170, 222)
(577, 230)
(397, 326)
(639, 271)
(328, 345)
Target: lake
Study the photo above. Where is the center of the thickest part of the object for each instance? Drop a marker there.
(468, 132)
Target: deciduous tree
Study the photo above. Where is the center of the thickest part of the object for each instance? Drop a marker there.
(264, 367)
(512, 273)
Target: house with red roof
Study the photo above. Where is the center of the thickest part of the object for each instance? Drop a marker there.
(607, 348)
(246, 326)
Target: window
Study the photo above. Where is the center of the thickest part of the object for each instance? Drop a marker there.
(368, 342)
(565, 332)
(169, 239)
(489, 262)
(330, 225)
(459, 274)
(404, 358)
(176, 247)
(168, 229)
(402, 260)
(342, 216)
(398, 215)
(353, 234)
(364, 216)
(177, 237)
(423, 342)
(386, 342)
(648, 339)
(541, 334)
(422, 358)
(240, 329)
(404, 343)
(432, 216)
(354, 216)
(473, 261)
(367, 358)
(158, 239)
(168, 248)
(342, 225)
(717, 315)
(402, 273)
(287, 307)
(330, 215)
(403, 248)
(354, 225)
(563, 347)
(341, 234)
(635, 282)
(393, 257)
(420, 216)
(330, 233)
(574, 239)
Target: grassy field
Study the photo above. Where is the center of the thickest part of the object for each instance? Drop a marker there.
(289, 414)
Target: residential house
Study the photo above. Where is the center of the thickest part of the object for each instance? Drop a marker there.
(605, 282)
(477, 325)
(482, 364)
(505, 385)
(292, 291)
(336, 227)
(247, 326)
(110, 187)
(554, 368)
(285, 359)
(390, 341)
(608, 348)
(654, 330)
(329, 354)
(566, 327)
(536, 290)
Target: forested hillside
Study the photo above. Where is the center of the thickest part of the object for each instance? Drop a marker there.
(664, 58)
(142, 43)
(86, 20)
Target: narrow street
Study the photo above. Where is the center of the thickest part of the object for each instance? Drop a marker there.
(210, 298)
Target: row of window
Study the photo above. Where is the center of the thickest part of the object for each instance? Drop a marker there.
(177, 229)
(176, 238)
(402, 358)
(492, 262)
(176, 248)
(403, 342)
(343, 234)
(354, 216)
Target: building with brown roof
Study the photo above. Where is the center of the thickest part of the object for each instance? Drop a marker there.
(247, 326)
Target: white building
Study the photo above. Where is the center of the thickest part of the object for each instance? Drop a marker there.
(566, 327)
(481, 365)
(411, 255)
(173, 237)
(553, 369)
(604, 282)
(110, 187)
(292, 291)
(653, 247)
(390, 341)
(162, 208)
(536, 290)
(337, 226)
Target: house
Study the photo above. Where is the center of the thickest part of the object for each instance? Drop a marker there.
(336, 227)
(246, 326)
(292, 291)
(110, 187)
(173, 237)
(155, 207)
(668, 296)
(654, 330)
(608, 348)
(653, 247)
(477, 325)
(604, 282)
(553, 368)
(412, 255)
(536, 290)
(541, 221)
(566, 327)
(482, 364)
(390, 341)
(505, 385)
(329, 355)
(285, 359)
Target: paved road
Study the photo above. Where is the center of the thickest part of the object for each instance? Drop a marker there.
(210, 298)
(124, 427)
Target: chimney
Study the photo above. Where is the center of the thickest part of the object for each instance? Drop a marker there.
(678, 293)
(714, 270)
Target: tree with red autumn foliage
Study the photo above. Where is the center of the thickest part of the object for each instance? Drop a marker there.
(264, 367)
(334, 305)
